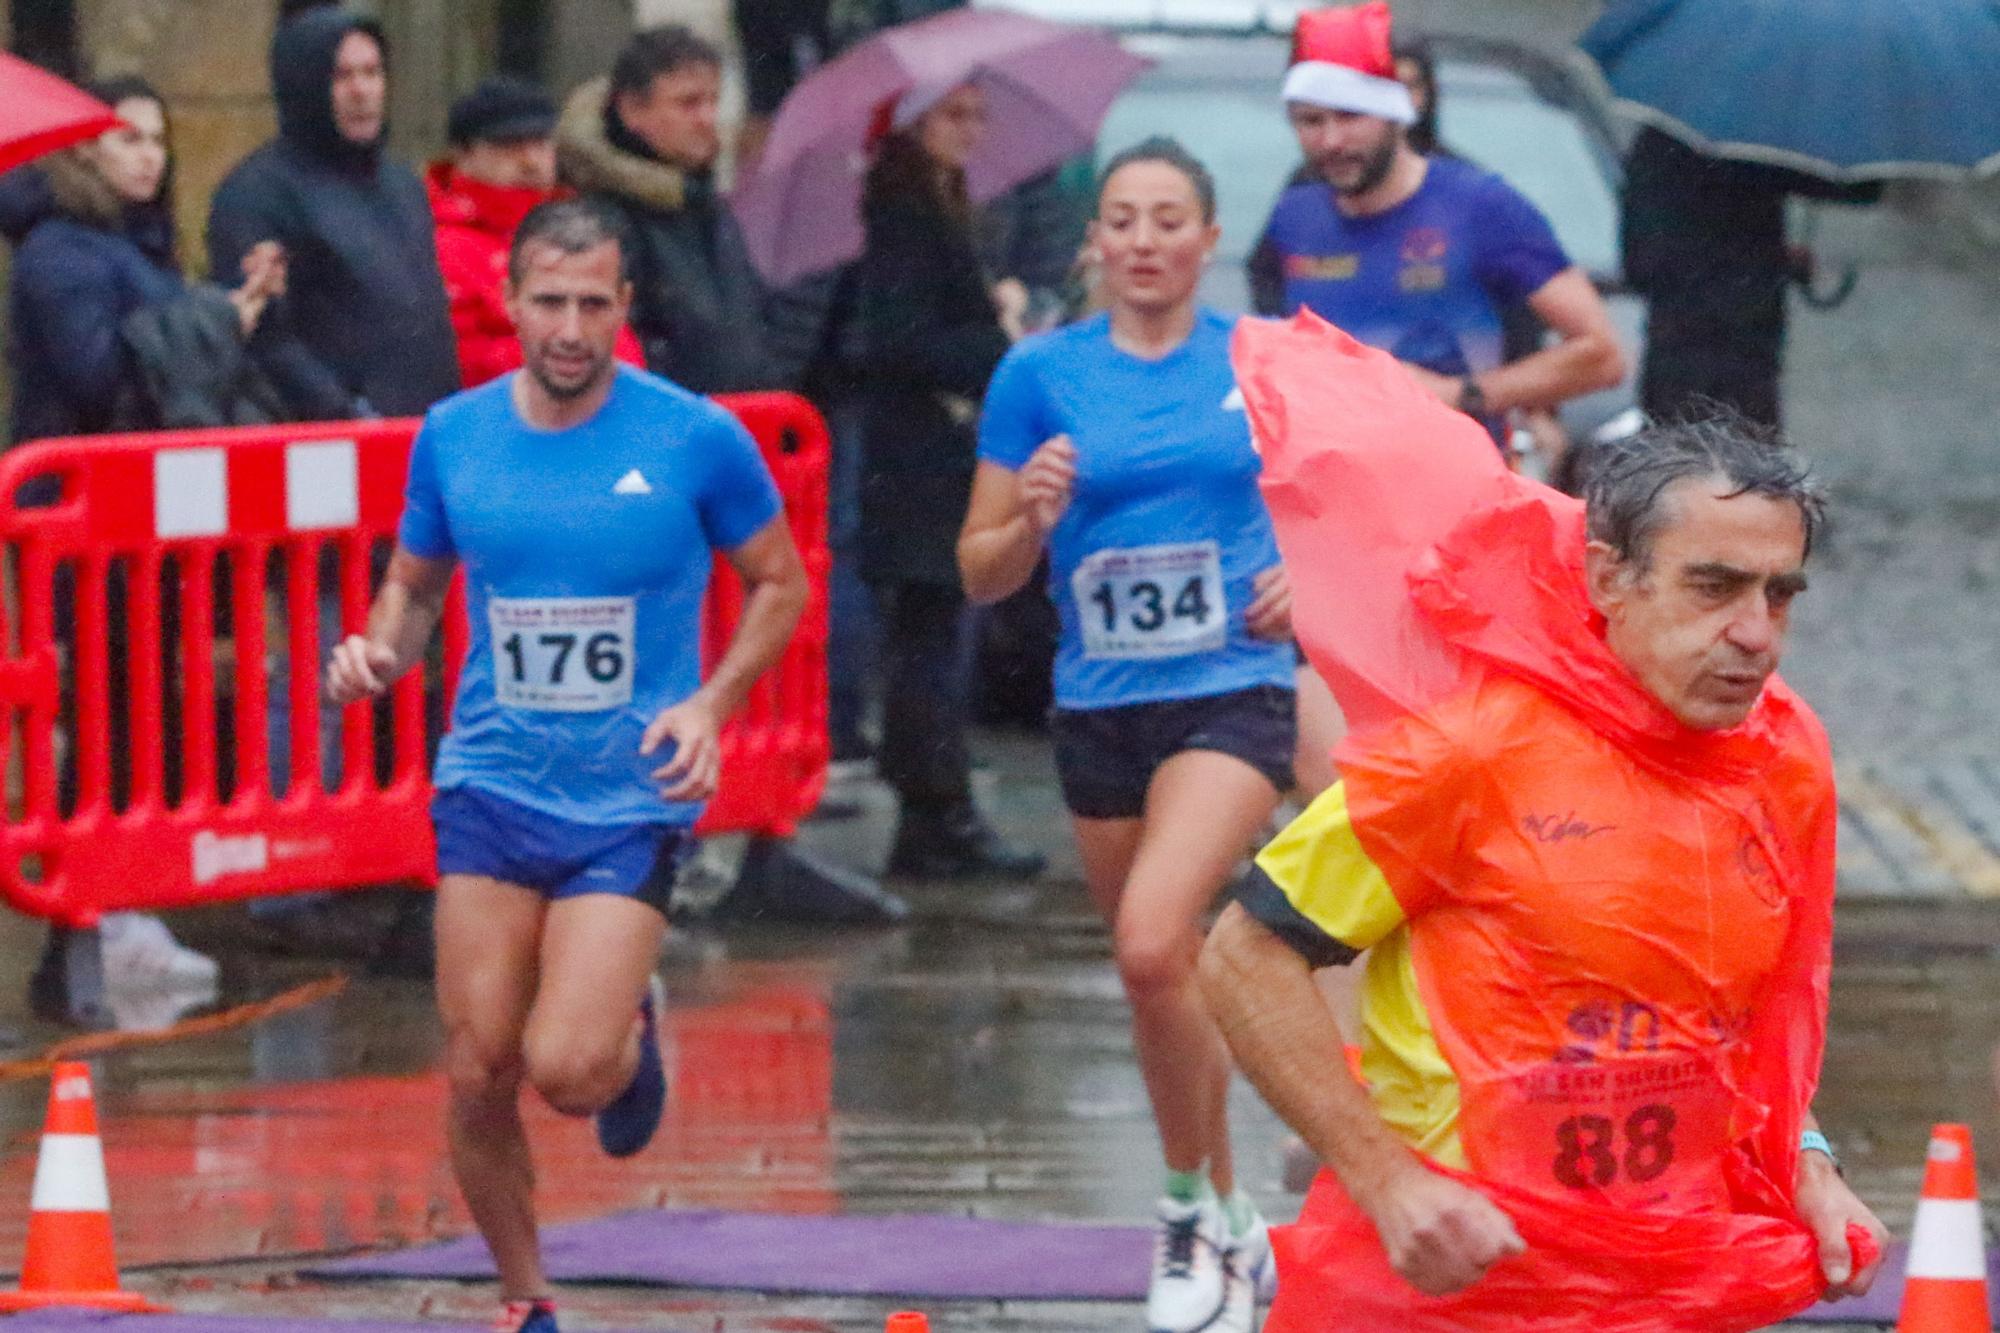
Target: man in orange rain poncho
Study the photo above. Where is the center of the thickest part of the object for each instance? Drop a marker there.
(1585, 835)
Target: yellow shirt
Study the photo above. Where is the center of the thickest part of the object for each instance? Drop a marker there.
(1316, 888)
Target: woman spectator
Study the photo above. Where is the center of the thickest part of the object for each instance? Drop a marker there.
(104, 254)
(1120, 445)
(932, 331)
(108, 337)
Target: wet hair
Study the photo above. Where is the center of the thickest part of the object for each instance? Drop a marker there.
(655, 52)
(1625, 492)
(573, 226)
(1169, 153)
(121, 87)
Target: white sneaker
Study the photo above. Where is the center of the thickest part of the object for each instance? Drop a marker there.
(1188, 1289)
(1239, 1306)
(1249, 1257)
(140, 953)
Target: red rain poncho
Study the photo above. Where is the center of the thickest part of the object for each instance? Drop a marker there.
(1635, 1020)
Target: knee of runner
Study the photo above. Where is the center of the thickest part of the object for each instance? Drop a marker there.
(574, 1079)
(481, 1071)
(1153, 962)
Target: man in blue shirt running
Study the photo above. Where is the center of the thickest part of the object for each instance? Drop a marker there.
(584, 500)
(1418, 255)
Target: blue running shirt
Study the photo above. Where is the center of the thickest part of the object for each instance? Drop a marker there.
(1425, 281)
(1151, 567)
(586, 554)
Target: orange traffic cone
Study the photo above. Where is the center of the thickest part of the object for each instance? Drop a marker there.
(69, 1259)
(1944, 1288)
(908, 1321)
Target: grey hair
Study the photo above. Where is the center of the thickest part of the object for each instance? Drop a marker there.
(572, 226)
(1624, 496)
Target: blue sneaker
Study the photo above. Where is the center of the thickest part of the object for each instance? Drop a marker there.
(526, 1317)
(629, 1122)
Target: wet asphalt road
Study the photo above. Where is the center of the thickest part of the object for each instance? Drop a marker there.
(973, 1062)
(977, 1061)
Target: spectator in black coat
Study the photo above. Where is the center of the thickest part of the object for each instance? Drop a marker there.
(96, 251)
(1705, 243)
(932, 333)
(364, 329)
(645, 142)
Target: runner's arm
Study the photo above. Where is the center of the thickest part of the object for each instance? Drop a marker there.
(999, 545)
(1440, 1235)
(1586, 356)
(1288, 1043)
(407, 609)
(774, 597)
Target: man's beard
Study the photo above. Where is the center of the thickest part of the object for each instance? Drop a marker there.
(563, 392)
(1373, 172)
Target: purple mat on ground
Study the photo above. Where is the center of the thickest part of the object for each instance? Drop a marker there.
(90, 1321)
(942, 1258)
(945, 1258)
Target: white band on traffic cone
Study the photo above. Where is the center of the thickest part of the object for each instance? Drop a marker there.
(69, 1175)
(1947, 1241)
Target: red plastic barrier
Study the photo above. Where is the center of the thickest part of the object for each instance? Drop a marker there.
(170, 544)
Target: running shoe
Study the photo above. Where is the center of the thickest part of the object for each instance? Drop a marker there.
(1249, 1257)
(526, 1317)
(1239, 1306)
(628, 1123)
(1189, 1286)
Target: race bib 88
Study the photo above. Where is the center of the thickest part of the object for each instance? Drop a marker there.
(562, 654)
(1152, 601)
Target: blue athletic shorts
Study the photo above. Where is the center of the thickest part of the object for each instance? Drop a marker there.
(482, 834)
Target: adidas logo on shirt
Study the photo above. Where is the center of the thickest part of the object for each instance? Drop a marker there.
(632, 483)
(1233, 402)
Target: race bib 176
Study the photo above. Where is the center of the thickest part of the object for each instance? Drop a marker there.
(562, 654)
(1152, 601)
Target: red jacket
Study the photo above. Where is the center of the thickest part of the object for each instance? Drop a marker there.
(475, 226)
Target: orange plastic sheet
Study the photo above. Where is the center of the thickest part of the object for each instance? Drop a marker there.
(1621, 928)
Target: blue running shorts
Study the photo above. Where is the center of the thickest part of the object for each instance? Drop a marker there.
(482, 834)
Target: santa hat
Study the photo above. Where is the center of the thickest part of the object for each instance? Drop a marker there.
(1341, 60)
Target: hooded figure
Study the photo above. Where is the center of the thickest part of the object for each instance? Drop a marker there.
(364, 328)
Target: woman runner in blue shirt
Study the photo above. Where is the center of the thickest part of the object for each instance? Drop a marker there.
(1120, 443)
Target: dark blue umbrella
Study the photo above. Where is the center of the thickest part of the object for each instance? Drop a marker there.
(1846, 89)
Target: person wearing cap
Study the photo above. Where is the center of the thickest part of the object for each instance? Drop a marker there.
(1418, 255)
(502, 167)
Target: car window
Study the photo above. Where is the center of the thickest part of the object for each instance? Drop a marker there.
(1495, 120)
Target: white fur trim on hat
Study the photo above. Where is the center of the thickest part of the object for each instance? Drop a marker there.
(1343, 88)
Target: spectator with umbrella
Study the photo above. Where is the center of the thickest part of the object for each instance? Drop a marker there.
(940, 117)
(1746, 102)
(933, 329)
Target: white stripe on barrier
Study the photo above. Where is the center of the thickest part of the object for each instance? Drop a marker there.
(190, 493)
(69, 1175)
(322, 485)
(1947, 1241)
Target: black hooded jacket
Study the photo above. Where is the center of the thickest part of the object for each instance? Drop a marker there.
(364, 326)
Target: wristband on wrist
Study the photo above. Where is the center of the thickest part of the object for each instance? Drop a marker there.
(1812, 1140)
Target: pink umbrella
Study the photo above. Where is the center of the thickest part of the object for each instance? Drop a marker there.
(40, 113)
(1047, 88)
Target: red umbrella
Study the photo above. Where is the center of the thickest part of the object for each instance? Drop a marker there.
(40, 113)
